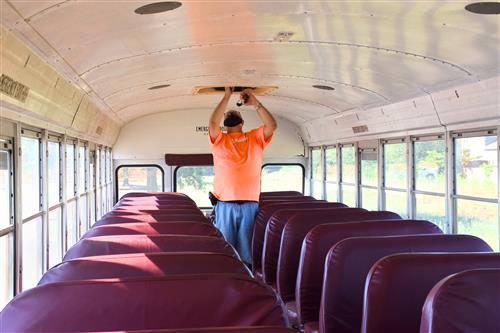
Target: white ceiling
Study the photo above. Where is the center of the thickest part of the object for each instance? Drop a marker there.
(372, 52)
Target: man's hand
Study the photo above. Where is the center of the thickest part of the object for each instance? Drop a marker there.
(250, 98)
(228, 91)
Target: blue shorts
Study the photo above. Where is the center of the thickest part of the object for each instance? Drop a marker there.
(235, 221)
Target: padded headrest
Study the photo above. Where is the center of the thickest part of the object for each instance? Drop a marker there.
(255, 329)
(281, 194)
(107, 245)
(163, 195)
(348, 262)
(265, 213)
(464, 302)
(187, 301)
(321, 238)
(272, 200)
(397, 285)
(155, 204)
(150, 219)
(274, 229)
(172, 228)
(143, 265)
(136, 210)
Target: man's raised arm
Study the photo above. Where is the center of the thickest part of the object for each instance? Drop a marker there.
(218, 114)
(267, 118)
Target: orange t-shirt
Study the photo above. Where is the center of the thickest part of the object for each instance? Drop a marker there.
(237, 164)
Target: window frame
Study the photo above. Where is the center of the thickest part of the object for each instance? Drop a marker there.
(138, 166)
(284, 164)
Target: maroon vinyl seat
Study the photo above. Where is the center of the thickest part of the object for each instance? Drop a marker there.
(108, 245)
(468, 301)
(174, 302)
(348, 262)
(157, 205)
(150, 219)
(153, 212)
(141, 228)
(163, 195)
(143, 265)
(282, 243)
(321, 238)
(281, 194)
(397, 286)
(263, 216)
(254, 329)
(269, 201)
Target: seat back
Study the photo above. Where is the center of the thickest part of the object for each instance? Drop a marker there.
(255, 329)
(265, 213)
(468, 301)
(397, 286)
(321, 238)
(155, 204)
(153, 212)
(172, 228)
(143, 265)
(125, 218)
(175, 302)
(107, 245)
(280, 194)
(274, 230)
(348, 262)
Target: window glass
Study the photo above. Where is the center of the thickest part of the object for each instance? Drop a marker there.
(30, 149)
(98, 211)
(6, 269)
(331, 164)
(5, 189)
(479, 219)
(396, 202)
(282, 178)
(395, 169)
(348, 167)
(369, 171)
(54, 173)
(71, 227)
(92, 201)
(83, 215)
(196, 182)
(146, 179)
(97, 168)
(331, 192)
(70, 171)
(55, 237)
(369, 198)
(317, 189)
(317, 170)
(429, 166)
(32, 253)
(349, 195)
(81, 169)
(476, 166)
(432, 208)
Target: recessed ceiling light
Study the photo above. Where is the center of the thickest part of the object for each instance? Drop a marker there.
(158, 7)
(487, 8)
(318, 86)
(159, 87)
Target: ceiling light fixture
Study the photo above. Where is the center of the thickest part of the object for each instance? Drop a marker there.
(158, 7)
(485, 8)
(318, 86)
(159, 87)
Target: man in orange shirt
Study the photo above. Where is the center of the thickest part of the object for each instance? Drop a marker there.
(237, 167)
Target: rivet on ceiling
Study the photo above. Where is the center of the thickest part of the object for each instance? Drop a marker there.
(322, 87)
(487, 8)
(159, 86)
(158, 7)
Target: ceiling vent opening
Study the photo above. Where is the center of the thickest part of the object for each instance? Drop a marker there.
(283, 36)
(318, 86)
(485, 8)
(157, 7)
(159, 86)
(206, 90)
(360, 129)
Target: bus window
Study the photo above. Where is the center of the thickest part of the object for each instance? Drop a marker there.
(331, 174)
(348, 176)
(369, 179)
(316, 173)
(30, 148)
(82, 190)
(282, 177)
(196, 182)
(54, 192)
(6, 268)
(476, 179)
(71, 216)
(6, 227)
(32, 252)
(395, 176)
(430, 180)
(146, 178)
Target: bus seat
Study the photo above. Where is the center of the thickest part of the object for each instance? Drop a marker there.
(269, 201)
(281, 194)
(315, 248)
(142, 265)
(396, 286)
(262, 218)
(153, 212)
(141, 228)
(159, 205)
(348, 262)
(253, 329)
(163, 195)
(468, 301)
(106, 245)
(173, 302)
(150, 219)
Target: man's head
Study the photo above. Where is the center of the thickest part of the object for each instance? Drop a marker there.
(233, 121)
